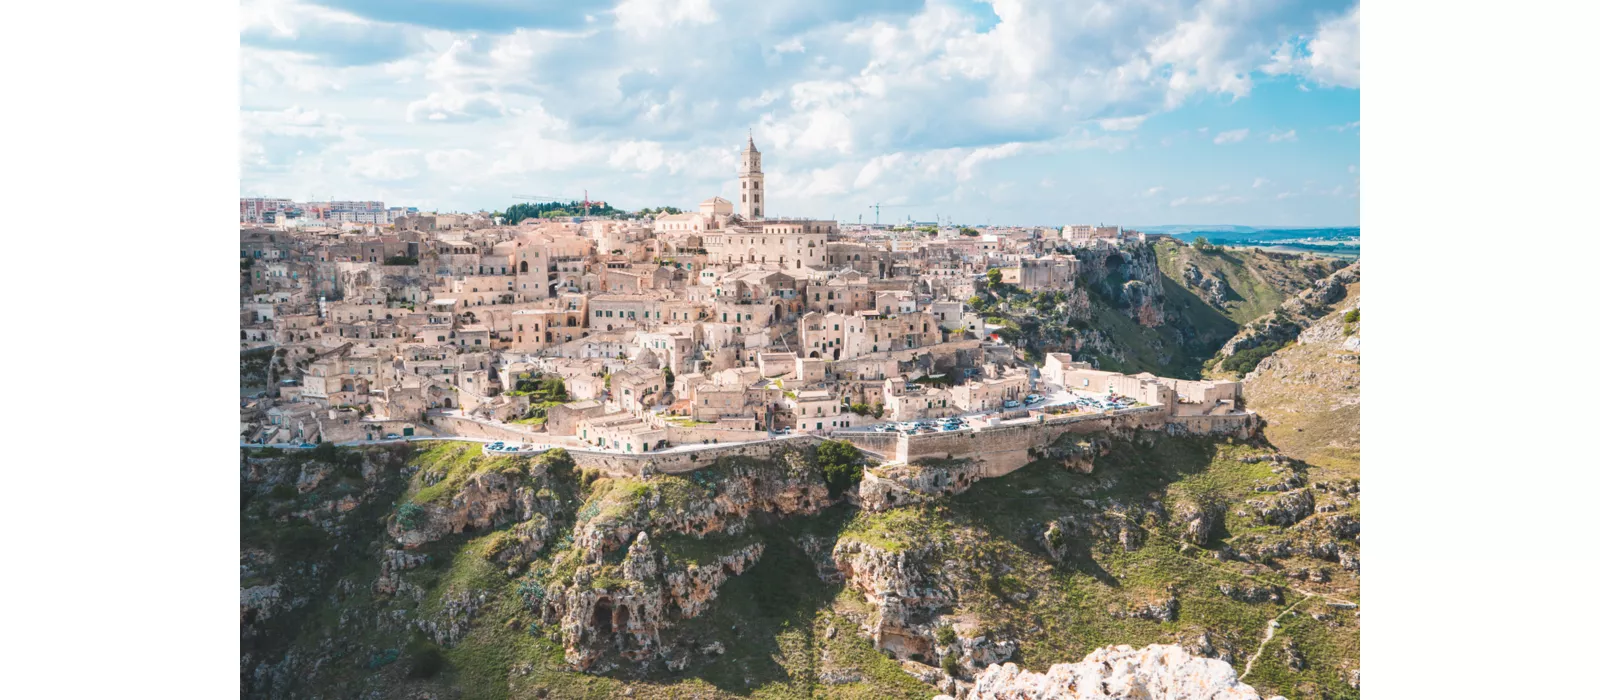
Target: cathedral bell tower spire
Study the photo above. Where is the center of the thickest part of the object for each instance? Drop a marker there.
(750, 179)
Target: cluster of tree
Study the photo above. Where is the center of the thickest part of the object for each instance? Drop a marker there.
(542, 388)
(861, 409)
(515, 213)
(1245, 361)
(966, 231)
(841, 465)
(400, 260)
(648, 211)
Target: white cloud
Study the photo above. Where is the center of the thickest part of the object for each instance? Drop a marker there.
(1232, 136)
(1123, 123)
(856, 103)
(388, 165)
(766, 97)
(1208, 200)
(1278, 136)
(981, 155)
(455, 106)
(645, 16)
(1331, 57)
(1346, 127)
(1260, 181)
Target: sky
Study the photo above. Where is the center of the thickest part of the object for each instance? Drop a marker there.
(1003, 112)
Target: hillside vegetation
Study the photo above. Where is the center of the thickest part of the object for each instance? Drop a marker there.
(444, 573)
(1201, 298)
(1310, 390)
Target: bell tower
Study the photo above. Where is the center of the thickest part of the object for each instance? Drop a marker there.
(750, 179)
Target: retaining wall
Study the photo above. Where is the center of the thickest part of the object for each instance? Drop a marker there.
(1003, 449)
(687, 459)
(468, 428)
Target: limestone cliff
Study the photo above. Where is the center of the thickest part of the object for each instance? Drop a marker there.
(445, 573)
(1295, 314)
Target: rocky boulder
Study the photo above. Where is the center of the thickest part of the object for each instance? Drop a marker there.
(1156, 671)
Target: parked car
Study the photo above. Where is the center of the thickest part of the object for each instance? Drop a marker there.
(1011, 404)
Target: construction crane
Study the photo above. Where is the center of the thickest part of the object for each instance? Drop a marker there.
(877, 210)
(540, 198)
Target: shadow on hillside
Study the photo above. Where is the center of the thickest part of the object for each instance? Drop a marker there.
(763, 618)
(1020, 505)
(1212, 327)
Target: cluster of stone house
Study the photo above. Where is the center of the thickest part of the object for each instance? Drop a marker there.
(717, 325)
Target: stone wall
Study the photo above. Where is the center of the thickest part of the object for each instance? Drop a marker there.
(682, 460)
(885, 445)
(462, 427)
(1003, 449)
(1242, 426)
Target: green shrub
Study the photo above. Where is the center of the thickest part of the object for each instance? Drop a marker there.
(1353, 315)
(1245, 361)
(950, 665)
(282, 492)
(945, 635)
(410, 516)
(841, 466)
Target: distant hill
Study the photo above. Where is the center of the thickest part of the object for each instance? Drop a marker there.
(1235, 235)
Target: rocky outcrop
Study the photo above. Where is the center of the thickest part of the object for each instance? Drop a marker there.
(1130, 278)
(257, 603)
(394, 562)
(1212, 288)
(896, 485)
(1284, 509)
(790, 485)
(600, 614)
(1299, 312)
(1156, 671)
(1198, 522)
(904, 588)
(486, 500)
(1126, 525)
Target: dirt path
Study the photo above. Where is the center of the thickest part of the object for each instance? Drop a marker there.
(1272, 629)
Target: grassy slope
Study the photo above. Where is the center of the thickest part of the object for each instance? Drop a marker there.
(774, 620)
(1069, 612)
(1310, 396)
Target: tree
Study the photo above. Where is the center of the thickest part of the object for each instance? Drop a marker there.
(841, 465)
(994, 278)
(1200, 243)
(972, 232)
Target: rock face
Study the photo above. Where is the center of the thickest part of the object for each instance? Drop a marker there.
(627, 615)
(1129, 276)
(604, 608)
(486, 500)
(904, 588)
(1213, 289)
(898, 485)
(1297, 313)
(1156, 671)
